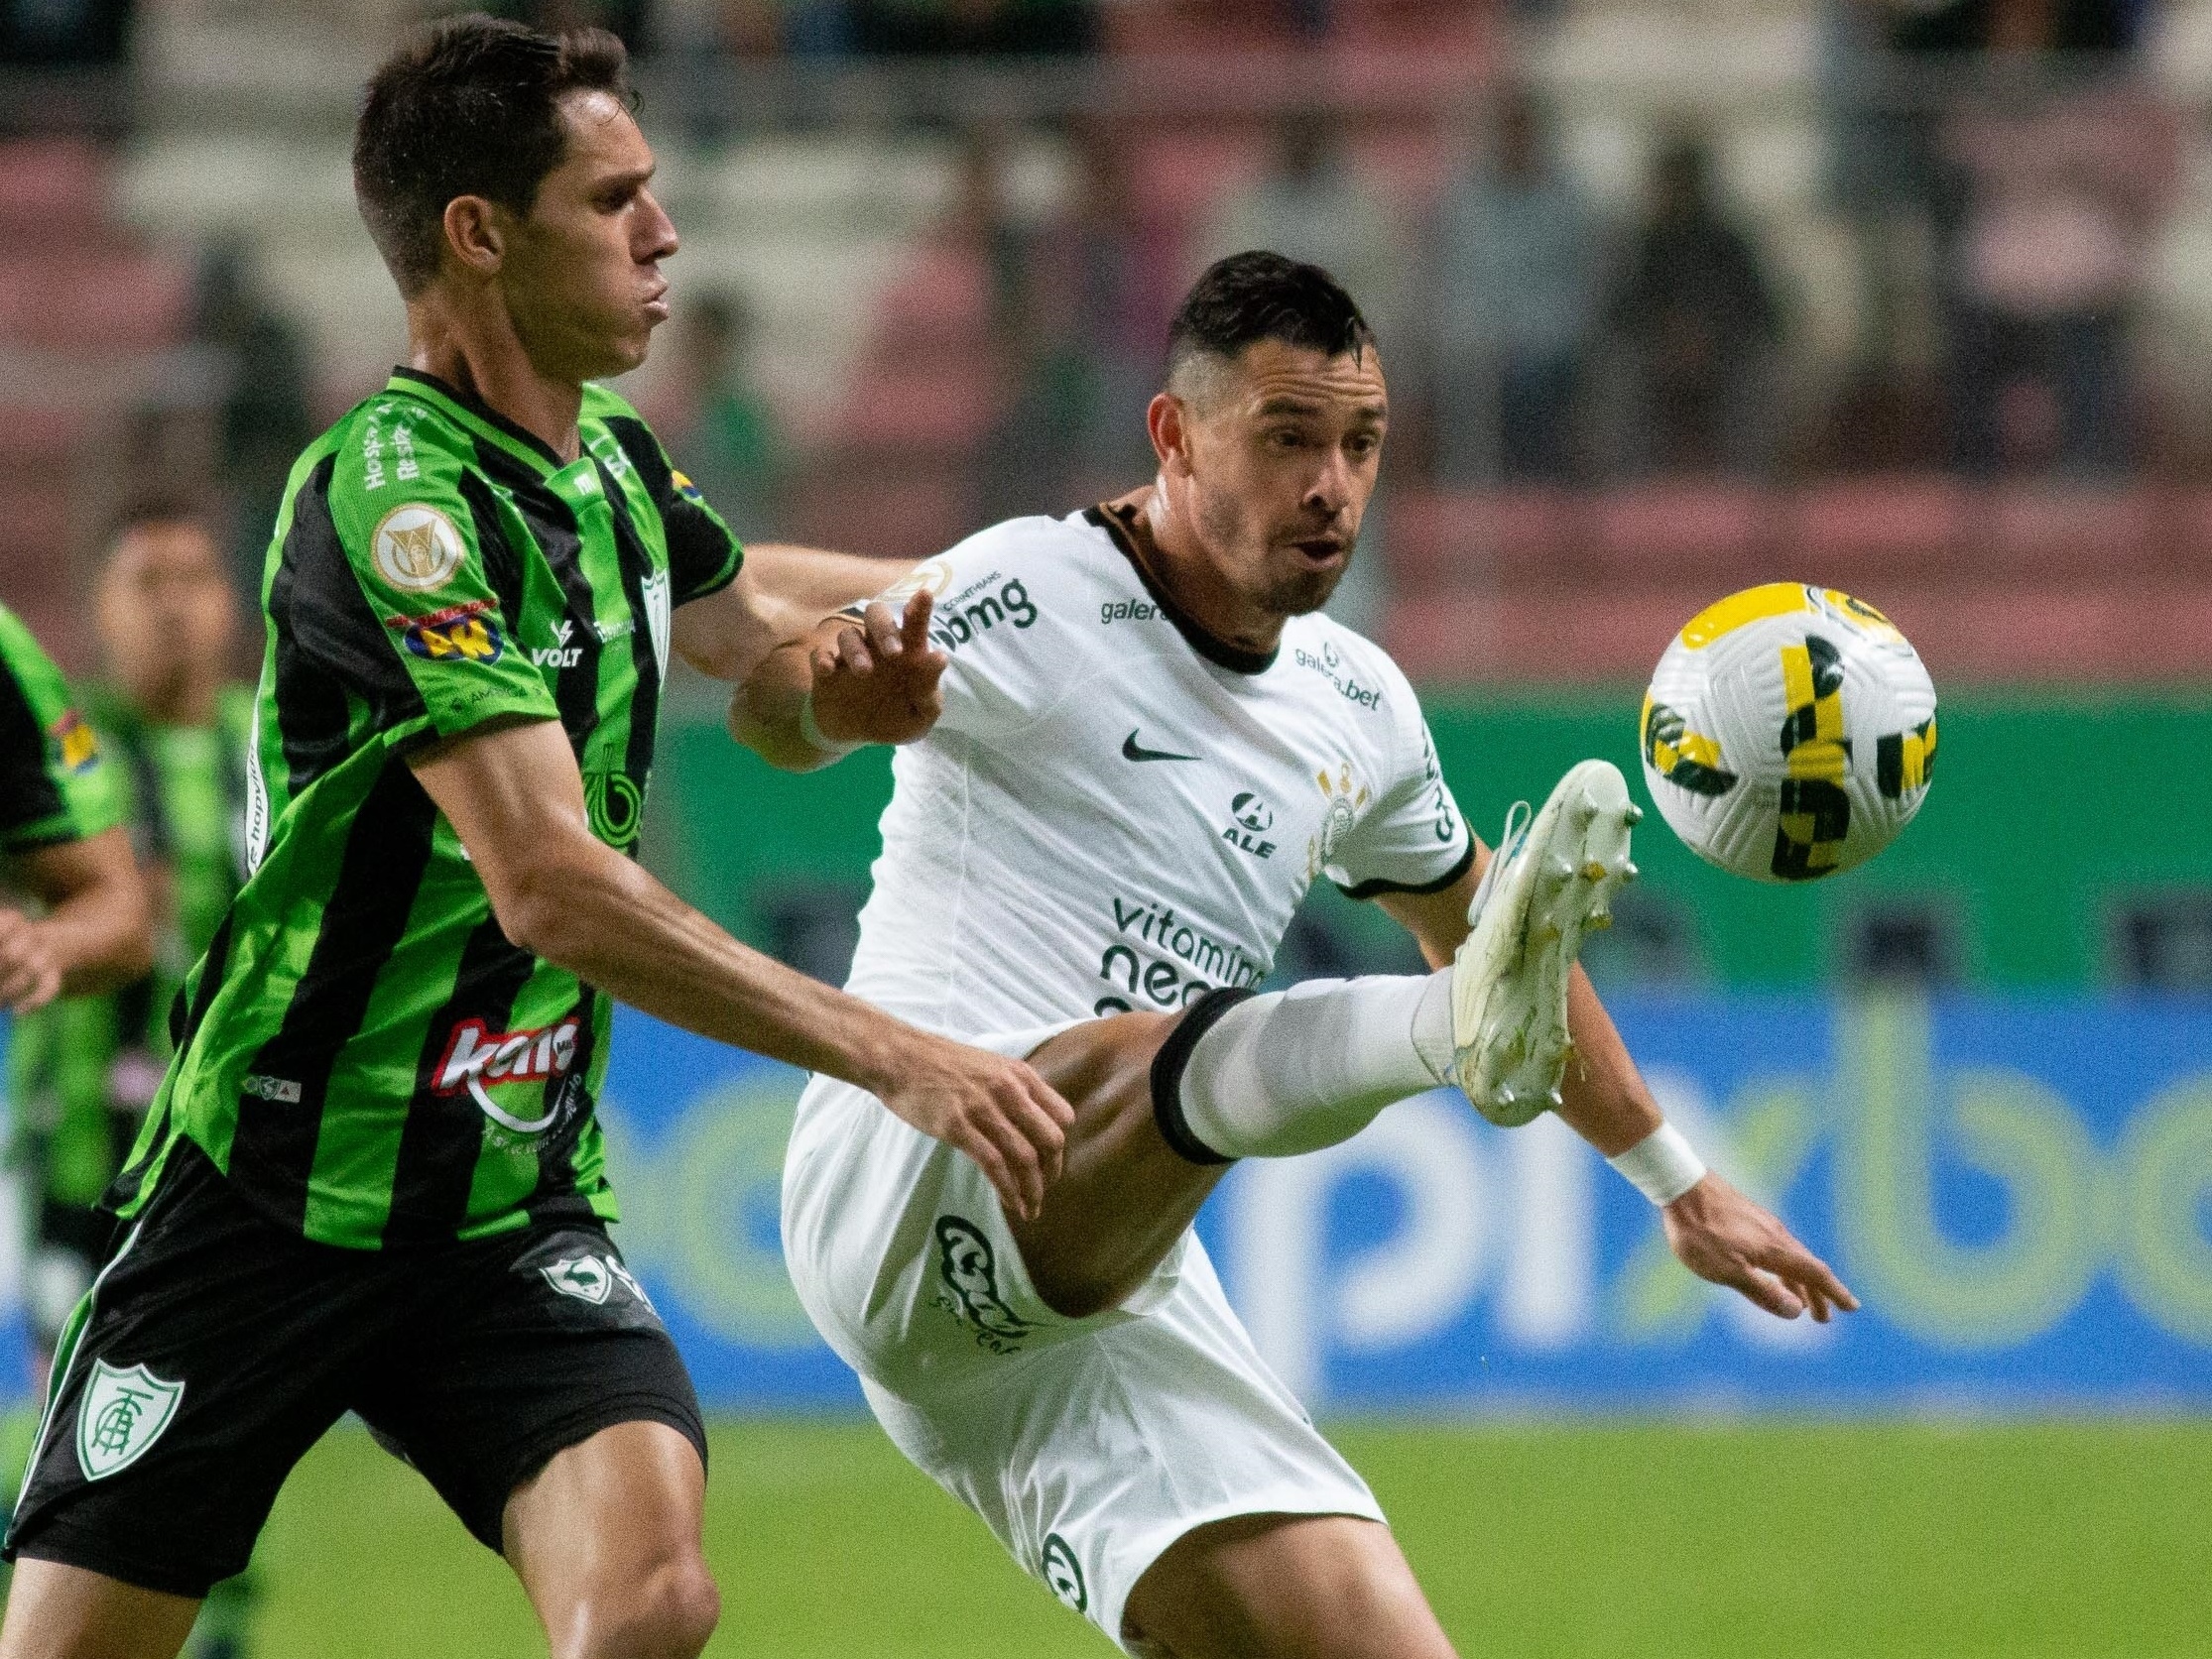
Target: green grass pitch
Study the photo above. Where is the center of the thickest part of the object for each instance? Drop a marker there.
(1852, 1541)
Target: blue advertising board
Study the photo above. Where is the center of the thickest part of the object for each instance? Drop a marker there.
(2020, 1191)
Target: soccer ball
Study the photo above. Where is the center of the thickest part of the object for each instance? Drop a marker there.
(1789, 732)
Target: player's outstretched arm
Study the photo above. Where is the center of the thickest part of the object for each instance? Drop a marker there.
(1715, 1231)
(96, 933)
(875, 680)
(780, 594)
(514, 795)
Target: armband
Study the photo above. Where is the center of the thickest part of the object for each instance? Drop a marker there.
(1662, 1165)
(813, 734)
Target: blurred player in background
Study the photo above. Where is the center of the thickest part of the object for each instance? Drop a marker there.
(175, 728)
(1142, 744)
(372, 1178)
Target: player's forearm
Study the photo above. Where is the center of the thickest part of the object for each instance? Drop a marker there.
(611, 924)
(1604, 1099)
(97, 929)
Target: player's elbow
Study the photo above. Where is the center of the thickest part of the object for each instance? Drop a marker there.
(545, 904)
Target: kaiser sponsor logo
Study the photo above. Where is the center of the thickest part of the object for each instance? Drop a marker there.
(76, 744)
(478, 1060)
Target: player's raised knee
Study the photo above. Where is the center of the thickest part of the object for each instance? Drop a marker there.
(667, 1613)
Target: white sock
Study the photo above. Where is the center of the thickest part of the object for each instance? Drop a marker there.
(1297, 1070)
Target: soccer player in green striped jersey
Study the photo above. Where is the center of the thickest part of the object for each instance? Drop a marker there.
(62, 840)
(372, 1179)
(173, 725)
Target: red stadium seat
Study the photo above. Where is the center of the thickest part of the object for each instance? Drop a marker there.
(93, 301)
(2030, 532)
(53, 190)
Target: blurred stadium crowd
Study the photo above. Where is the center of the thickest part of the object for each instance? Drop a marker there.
(1907, 296)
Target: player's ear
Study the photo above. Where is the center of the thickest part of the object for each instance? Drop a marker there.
(474, 235)
(1169, 424)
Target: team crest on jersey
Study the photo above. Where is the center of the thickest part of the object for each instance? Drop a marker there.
(1345, 795)
(417, 548)
(459, 633)
(685, 487)
(74, 741)
(124, 1412)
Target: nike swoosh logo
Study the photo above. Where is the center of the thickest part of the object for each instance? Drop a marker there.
(1132, 750)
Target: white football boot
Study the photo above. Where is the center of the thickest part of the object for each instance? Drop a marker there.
(1550, 881)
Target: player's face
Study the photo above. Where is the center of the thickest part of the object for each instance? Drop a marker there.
(165, 610)
(582, 272)
(1280, 462)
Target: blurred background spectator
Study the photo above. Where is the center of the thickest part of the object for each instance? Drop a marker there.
(1516, 251)
(712, 411)
(1691, 316)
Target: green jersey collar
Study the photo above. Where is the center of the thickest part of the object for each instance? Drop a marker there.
(478, 416)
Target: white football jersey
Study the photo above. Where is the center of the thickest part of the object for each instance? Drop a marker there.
(1118, 810)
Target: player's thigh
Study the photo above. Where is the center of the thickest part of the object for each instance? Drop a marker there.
(522, 1349)
(606, 1540)
(58, 1612)
(1124, 1197)
(1286, 1586)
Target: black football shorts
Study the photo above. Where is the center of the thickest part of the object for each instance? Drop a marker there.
(216, 1347)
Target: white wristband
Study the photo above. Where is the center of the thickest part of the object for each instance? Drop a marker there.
(813, 734)
(1662, 1165)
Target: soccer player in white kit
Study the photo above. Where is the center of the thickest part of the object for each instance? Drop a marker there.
(1132, 743)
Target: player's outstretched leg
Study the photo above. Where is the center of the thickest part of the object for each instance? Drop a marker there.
(606, 1539)
(1290, 1587)
(1165, 1103)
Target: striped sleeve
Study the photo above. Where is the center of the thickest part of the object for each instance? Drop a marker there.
(57, 783)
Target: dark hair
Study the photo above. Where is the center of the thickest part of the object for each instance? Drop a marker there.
(469, 107)
(1253, 297)
(156, 506)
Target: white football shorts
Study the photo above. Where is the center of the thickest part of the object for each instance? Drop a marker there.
(1088, 1446)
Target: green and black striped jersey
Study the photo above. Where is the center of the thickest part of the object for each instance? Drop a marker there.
(55, 783)
(361, 1049)
(81, 1069)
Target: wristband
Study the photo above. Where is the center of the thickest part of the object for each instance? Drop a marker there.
(1662, 1165)
(813, 734)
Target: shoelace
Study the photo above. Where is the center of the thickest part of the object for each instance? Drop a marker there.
(1516, 831)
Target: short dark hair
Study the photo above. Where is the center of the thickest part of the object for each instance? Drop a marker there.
(1253, 297)
(153, 507)
(470, 106)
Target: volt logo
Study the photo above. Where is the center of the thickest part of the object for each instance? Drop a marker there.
(560, 655)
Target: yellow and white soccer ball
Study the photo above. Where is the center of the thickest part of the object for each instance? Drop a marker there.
(1789, 732)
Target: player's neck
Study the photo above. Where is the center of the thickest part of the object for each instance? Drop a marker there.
(1176, 561)
(473, 346)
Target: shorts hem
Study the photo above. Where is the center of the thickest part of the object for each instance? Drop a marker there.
(533, 1455)
(1155, 1541)
(56, 1540)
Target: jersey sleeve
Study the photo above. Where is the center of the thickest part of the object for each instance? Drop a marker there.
(704, 555)
(57, 782)
(434, 653)
(1410, 838)
(1008, 655)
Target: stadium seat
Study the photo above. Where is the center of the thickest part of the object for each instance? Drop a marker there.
(93, 301)
(884, 512)
(51, 190)
(2031, 531)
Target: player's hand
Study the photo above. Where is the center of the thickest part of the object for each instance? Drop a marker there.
(1720, 1235)
(877, 681)
(29, 967)
(997, 1111)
